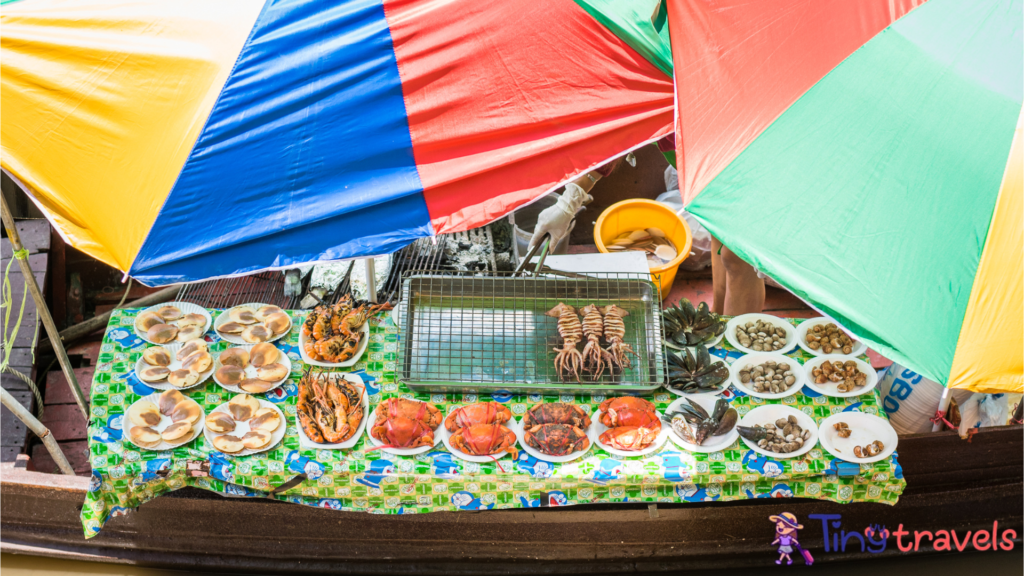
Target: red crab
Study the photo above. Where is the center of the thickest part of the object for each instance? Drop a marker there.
(631, 417)
(556, 439)
(629, 438)
(627, 402)
(392, 408)
(402, 432)
(556, 413)
(484, 440)
(479, 413)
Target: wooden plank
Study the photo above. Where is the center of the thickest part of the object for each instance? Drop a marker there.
(77, 454)
(11, 382)
(35, 237)
(38, 262)
(89, 350)
(9, 453)
(65, 422)
(58, 280)
(13, 431)
(21, 358)
(58, 391)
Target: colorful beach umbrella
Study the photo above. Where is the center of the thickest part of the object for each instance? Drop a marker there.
(192, 139)
(867, 155)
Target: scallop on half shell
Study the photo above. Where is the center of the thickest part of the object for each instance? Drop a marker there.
(147, 320)
(168, 400)
(262, 354)
(220, 422)
(157, 356)
(235, 357)
(191, 347)
(228, 444)
(256, 333)
(144, 413)
(242, 315)
(162, 333)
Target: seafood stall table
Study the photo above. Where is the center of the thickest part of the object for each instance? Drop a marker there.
(364, 478)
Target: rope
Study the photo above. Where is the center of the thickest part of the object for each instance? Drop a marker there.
(125, 295)
(7, 301)
(32, 386)
(940, 416)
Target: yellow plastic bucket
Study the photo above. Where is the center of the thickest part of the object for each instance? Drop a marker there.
(637, 213)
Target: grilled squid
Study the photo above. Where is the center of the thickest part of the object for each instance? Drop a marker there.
(569, 358)
(595, 358)
(614, 332)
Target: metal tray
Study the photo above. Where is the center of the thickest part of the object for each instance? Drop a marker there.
(475, 334)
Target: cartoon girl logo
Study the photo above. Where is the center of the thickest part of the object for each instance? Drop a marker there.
(786, 527)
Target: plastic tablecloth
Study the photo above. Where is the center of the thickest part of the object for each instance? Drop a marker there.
(123, 477)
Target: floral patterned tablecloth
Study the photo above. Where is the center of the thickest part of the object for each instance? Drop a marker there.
(124, 477)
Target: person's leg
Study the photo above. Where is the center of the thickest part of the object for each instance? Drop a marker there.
(744, 291)
(717, 276)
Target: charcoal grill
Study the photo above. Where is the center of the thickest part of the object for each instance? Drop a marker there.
(482, 334)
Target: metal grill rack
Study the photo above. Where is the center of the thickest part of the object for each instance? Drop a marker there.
(265, 287)
(479, 334)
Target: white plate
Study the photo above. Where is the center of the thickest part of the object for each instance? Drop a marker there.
(769, 413)
(865, 428)
(197, 428)
(711, 443)
(403, 451)
(224, 318)
(250, 370)
(730, 331)
(760, 358)
(241, 428)
(801, 338)
(829, 389)
(185, 307)
(711, 395)
(446, 438)
(597, 428)
(304, 440)
(350, 362)
(708, 345)
(174, 365)
(519, 430)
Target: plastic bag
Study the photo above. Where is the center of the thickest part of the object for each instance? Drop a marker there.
(983, 410)
(910, 400)
(700, 249)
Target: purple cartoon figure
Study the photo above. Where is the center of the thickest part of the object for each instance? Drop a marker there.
(786, 527)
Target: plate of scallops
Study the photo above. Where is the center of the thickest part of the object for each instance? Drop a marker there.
(253, 323)
(172, 322)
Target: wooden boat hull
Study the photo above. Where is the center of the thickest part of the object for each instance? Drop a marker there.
(952, 485)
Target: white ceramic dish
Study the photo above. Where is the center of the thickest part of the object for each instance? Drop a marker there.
(770, 413)
(446, 438)
(174, 365)
(711, 443)
(730, 331)
(241, 428)
(185, 307)
(707, 345)
(829, 388)
(250, 370)
(304, 440)
(372, 419)
(350, 362)
(570, 457)
(801, 339)
(197, 428)
(760, 358)
(865, 429)
(597, 428)
(224, 317)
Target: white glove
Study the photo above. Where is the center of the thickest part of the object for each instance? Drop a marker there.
(557, 220)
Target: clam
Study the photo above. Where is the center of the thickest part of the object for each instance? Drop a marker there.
(183, 378)
(192, 319)
(262, 354)
(639, 236)
(147, 320)
(169, 313)
(199, 362)
(176, 431)
(154, 373)
(242, 407)
(256, 439)
(624, 242)
(272, 372)
(230, 375)
(265, 311)
(656, 232)
(190, 333)
(161, 333)
(265, 419)
(666, 253)
(170, 399)
(144, 413)
(242, 315)
(277, 323)
(157, 356)
(235, 357)
(220, 422)
(256, 385)
(145, 436)
(231, 328)
(228, 444)
(191, 347)
(256, 333)
(186, 411)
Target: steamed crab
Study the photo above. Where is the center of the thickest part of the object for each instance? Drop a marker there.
(556, 439)
(634, 421)
(485, 440)
(402, 423)
(694, 424)
(479, 413)
(629, 438)
(556, 413)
